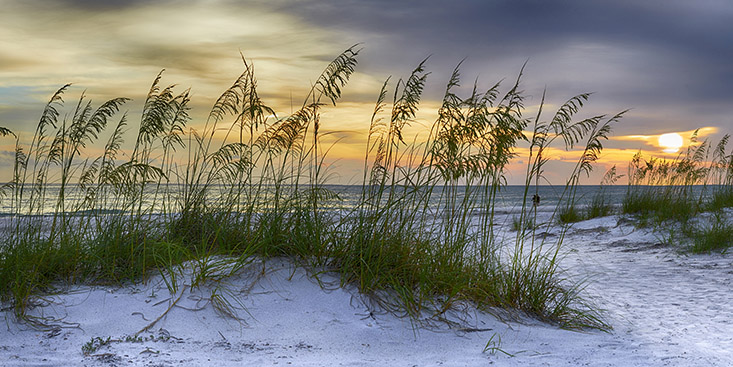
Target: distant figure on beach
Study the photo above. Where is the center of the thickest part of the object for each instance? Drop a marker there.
(536, 200)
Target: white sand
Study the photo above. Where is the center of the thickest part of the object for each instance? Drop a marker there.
(667, 309)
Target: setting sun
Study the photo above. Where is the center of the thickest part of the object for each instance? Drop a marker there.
(671, 142)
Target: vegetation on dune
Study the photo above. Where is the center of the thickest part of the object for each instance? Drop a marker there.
(599, 205)
(412, 242)
(699, 180)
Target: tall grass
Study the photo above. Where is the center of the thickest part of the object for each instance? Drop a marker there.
(599, 205)
(661, 189)
(700, 179)
(717, 235)
(535, 260)
(418, 242)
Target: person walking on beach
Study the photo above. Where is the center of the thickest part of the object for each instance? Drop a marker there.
(535, 200)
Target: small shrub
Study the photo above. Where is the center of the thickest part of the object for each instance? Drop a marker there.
(715, 237)
(721, 198)
(517, 224)
(94, 345)
(570, 214)
(599, 207)
(660, 204)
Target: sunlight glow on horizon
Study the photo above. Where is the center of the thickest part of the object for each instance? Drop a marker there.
(117, 50)
(671, 142)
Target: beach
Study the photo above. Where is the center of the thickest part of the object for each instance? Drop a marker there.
(666, 308)
(367, 184)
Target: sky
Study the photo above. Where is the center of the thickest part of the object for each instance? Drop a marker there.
(667, 61)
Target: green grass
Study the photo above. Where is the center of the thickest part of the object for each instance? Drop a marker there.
(722, 198)
(700, 179)
(656, 205)
(717, 236)
(664, 189)
(708, 233)
(599, 207)
(411, 242)
(517, 225)
(570, 214)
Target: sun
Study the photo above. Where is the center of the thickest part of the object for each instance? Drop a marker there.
(671, 142)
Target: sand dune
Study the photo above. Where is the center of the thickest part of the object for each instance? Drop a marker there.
(667, 309)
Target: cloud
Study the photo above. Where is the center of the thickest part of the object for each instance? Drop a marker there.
(91, 5)
(634, 53)
(669, 61)
(651, 142)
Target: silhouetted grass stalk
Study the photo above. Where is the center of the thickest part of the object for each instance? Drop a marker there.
(419, 241)
(662, 190)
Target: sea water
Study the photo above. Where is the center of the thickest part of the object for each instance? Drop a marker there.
(509, 199)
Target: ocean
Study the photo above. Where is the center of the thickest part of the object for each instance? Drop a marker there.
(509, 199)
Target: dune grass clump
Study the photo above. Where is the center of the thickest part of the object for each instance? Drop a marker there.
(419, 241)
(570, 214)
(721, 177)
(711, 237)
(535, 259)
(721, 198)
(599, 205)
(519, 226)
(699, 180)
(661, 190)
(678, 189)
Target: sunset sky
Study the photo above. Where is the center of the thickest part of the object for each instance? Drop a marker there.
(669, 61)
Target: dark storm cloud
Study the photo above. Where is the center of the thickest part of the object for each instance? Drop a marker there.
(694, 28)
(640, 53)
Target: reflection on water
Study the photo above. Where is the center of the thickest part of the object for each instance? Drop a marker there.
(509, 199)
